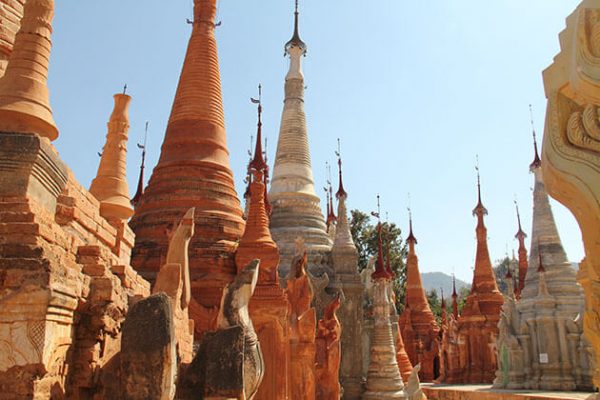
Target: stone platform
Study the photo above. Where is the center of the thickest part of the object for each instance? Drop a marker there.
(485, 392)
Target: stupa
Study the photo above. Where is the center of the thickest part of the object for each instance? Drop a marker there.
(522, 252)
(473, 338)
(418, 326)
(193, 171)
(348, 281)
(10, 15)
(541, 341)
(296, 206)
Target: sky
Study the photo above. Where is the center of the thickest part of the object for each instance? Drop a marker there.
(415, 90)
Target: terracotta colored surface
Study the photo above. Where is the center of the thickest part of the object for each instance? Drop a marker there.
(417, 323)
(303, 325)
(269, 305)
(24, 98)
(193, 171)
(11, 13)
(523, 265)
(327, 360)
(402, 358)
(110, 185)
(470, 342)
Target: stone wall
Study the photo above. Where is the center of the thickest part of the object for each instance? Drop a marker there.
(11, 12)
(65, 278)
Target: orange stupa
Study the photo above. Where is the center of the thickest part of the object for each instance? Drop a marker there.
(478, 323)
(193, 171)
(269, 306)
(523, 263)
(417, 322)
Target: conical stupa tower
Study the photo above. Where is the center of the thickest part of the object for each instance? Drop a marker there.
(193, 171)
(347, 279)
(110, 185)
(419, 328)
(478, 322)
(383, 377)
(296, 208)
(11, 13)
(550, 351)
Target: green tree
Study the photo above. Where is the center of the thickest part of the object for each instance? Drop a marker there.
(364, 234)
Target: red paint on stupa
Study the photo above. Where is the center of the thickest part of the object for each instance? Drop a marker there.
(523, 263)
(380, 269)
(269, 306)
(478, 323)
(454, 299)
(402, 357)
(193, 171)
(417, 323)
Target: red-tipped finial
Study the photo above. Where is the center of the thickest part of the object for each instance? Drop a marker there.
(341, 192)
(380, 269)
(520, 233)
(258, 163)
(140, 186)
(537, 162)
(411, 237)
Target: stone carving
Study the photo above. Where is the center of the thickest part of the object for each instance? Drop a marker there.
(229, 362)
(24, 97)
(296, 208)
(302, 330)
(570, 151)
(193, 171)
(173, 279)
(148, 355)
(327, 362)
(413, 387)
(110, 185)
(10, 15)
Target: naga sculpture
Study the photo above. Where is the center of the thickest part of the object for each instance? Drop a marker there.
(329, 333)
(413, 387)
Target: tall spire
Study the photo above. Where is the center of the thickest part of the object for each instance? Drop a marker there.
(483, 280)
(110, 185)
(295, 41)
(523, 264)
(340, 192)
(537, 162)
(24, 96)
(296, 206)
(560, 275)
(380, 269)
(343, 236)
(454, 298)
(193, 171)
(140, 186)
(415, 292)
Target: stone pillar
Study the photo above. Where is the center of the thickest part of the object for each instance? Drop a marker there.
(328, 352)
(110, 185)
(193, 171)
(24, 97)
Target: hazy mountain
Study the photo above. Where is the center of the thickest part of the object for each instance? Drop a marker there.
(437, 280)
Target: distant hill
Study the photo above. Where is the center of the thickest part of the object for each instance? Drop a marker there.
(437, 280)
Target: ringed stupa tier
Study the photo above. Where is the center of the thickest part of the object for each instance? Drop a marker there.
(541, 343)
(193, 171)
(11, 13)
(418, 326)
(475, 335)
(296, 209)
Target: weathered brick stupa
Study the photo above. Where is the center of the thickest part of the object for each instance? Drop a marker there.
(347, 279)
(476, 330)
(269, 306)
(418, 326)
(110, 185)
(193, 171)
(541, 343)
(65, 279)
(383, 376)
(296, 208)
(10, 15)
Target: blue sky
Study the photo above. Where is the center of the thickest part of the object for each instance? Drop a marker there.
(414, 89)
